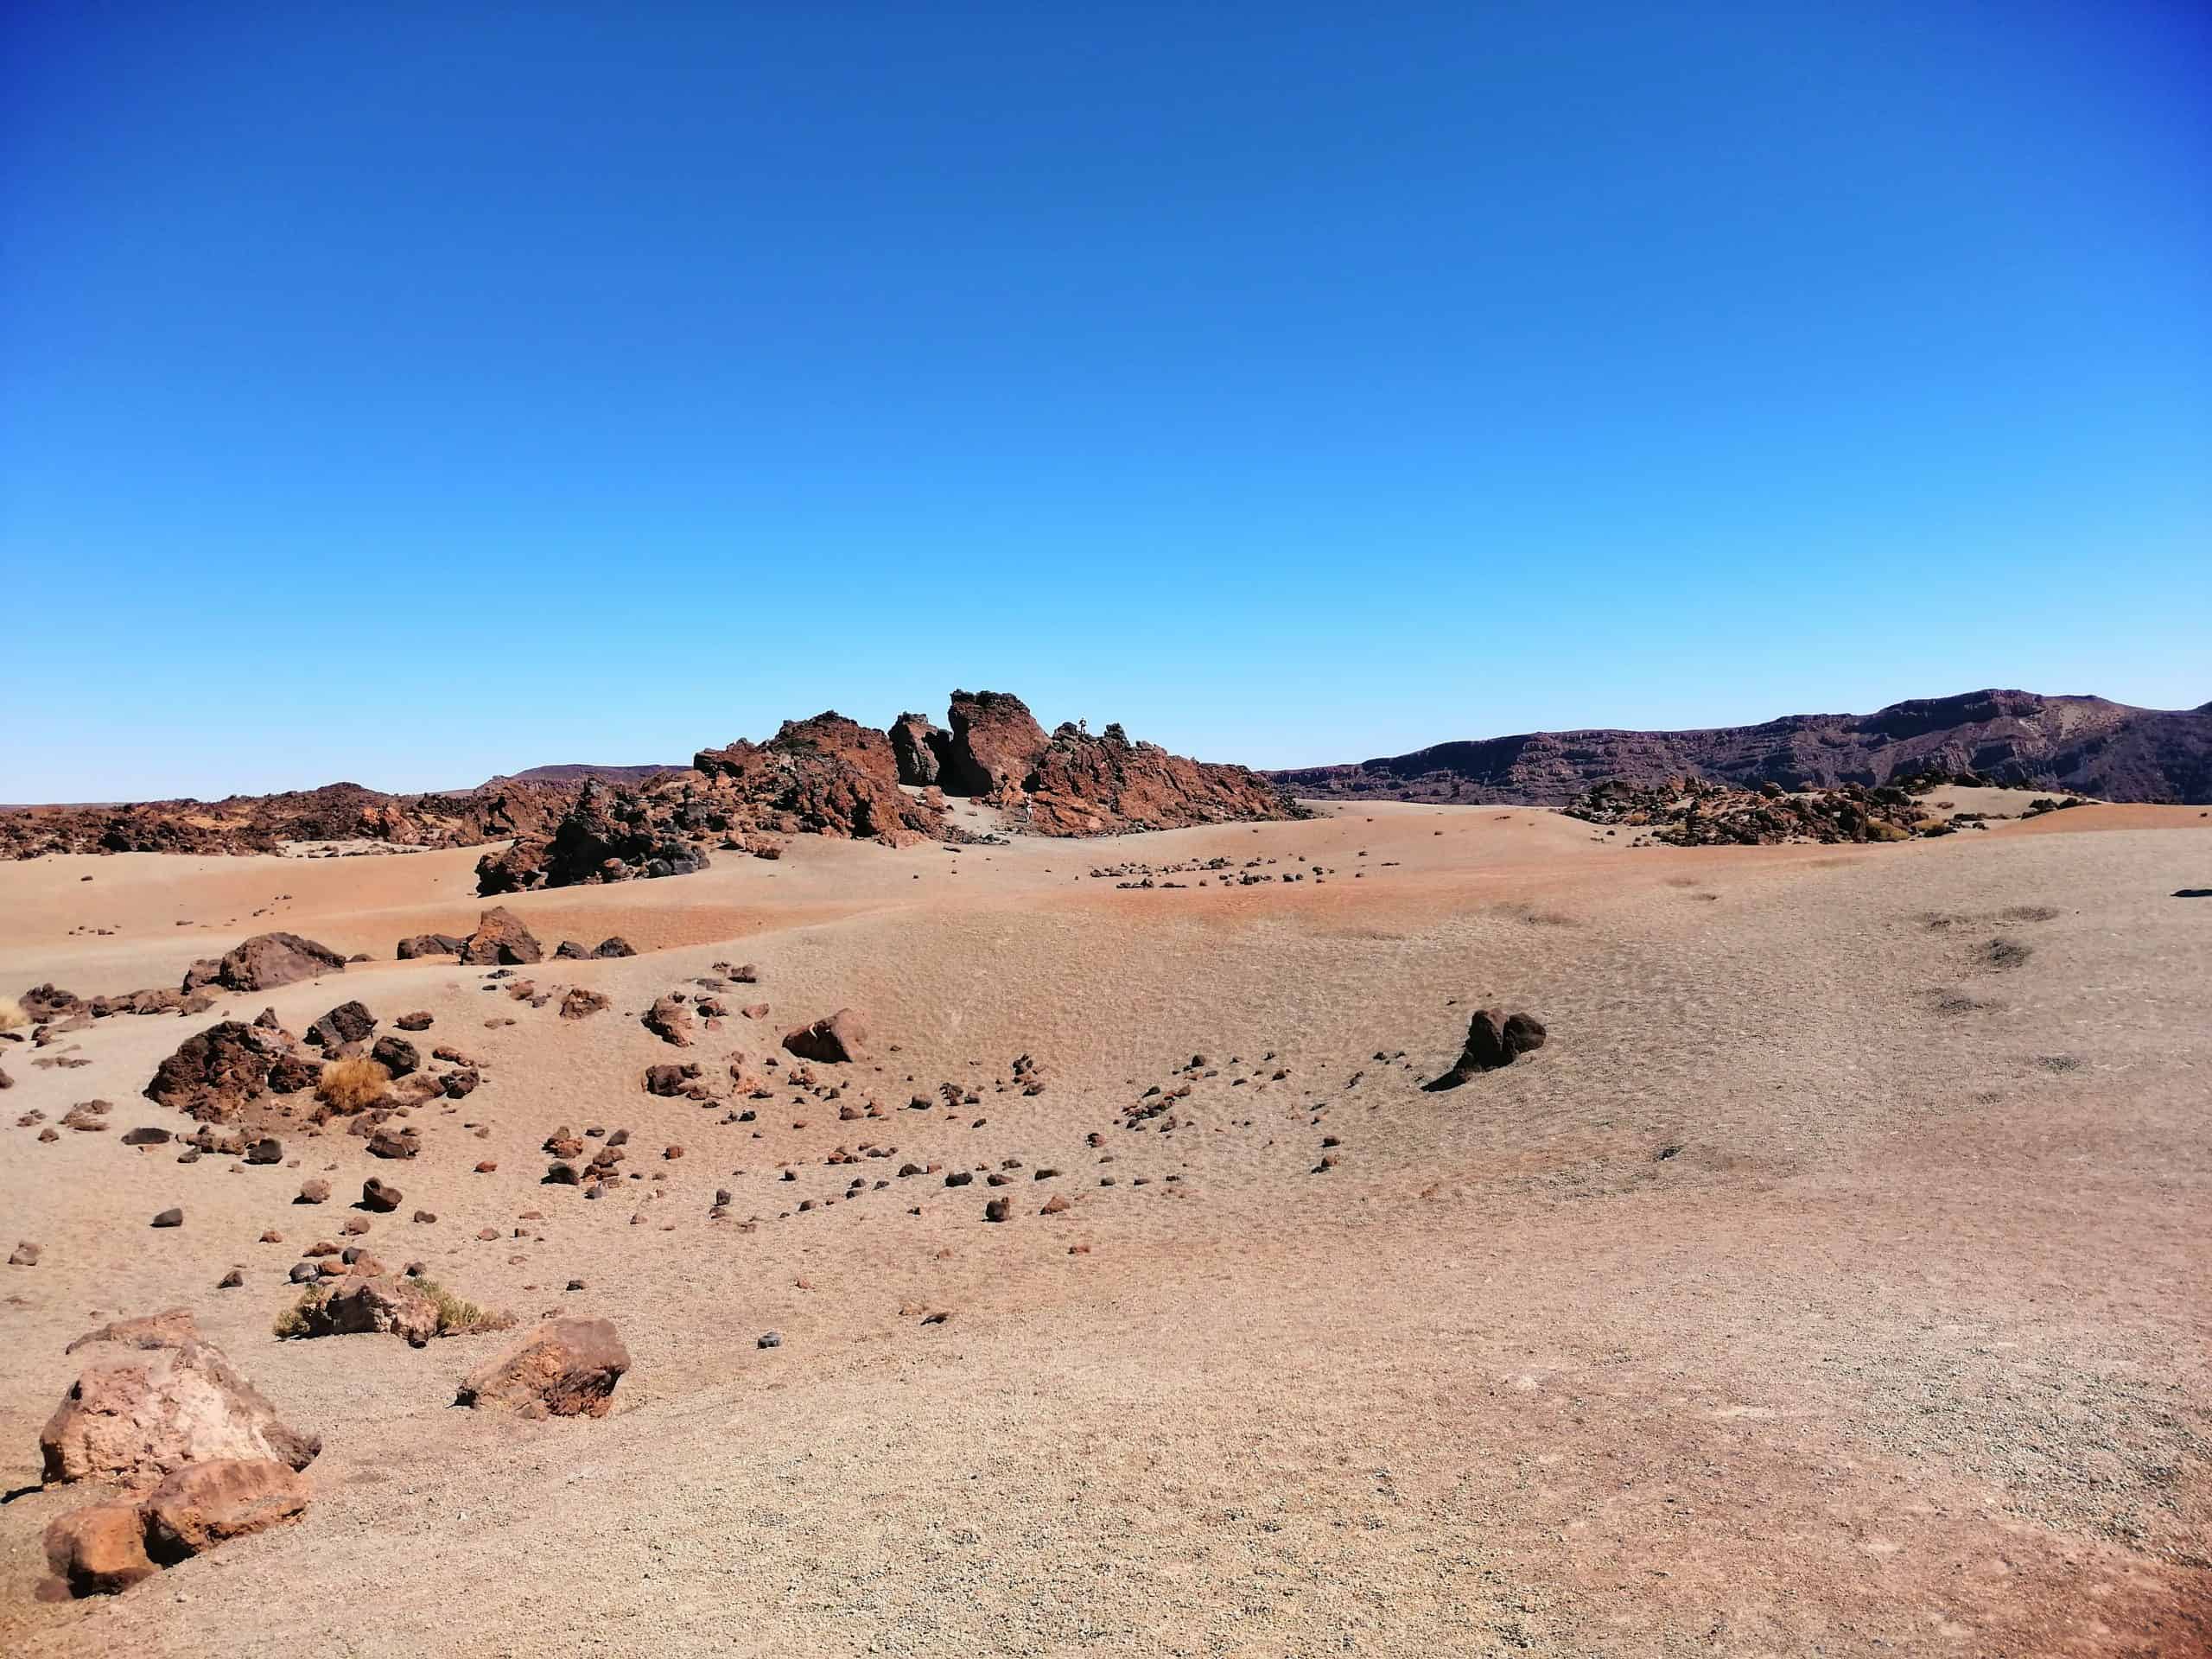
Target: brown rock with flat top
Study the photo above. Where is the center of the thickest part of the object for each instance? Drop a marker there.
(206, 1503)
(153, 1395)
(100, 1550)
(566, 1368)
(581, 1004)
(266, 961)
(841, 1038)
(500, 939)
(1495, 1039)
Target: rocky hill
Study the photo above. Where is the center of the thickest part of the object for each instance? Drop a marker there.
(264, 824)
(2084, 746)
(831, 776)
(580, 771)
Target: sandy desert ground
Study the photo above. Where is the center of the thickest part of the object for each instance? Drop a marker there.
(1828, 1283)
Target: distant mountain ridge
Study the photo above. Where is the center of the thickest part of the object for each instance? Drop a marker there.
(577, 771)
(2085, 745)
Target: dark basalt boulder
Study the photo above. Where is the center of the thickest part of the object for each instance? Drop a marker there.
(1495, 1039)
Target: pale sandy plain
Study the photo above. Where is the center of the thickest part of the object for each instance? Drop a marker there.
(1821, 1287)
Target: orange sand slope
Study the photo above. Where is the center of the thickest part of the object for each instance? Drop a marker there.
(1829, 1283)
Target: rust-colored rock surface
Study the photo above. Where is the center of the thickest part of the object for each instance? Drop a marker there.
(98, 1550)
(203, 1505)
(995, 740)
(566, 1368)
(1104, 784)
(500, 938)
(836, 1039)
(153, 1395)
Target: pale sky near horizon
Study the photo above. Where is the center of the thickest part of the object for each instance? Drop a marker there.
(411, 394)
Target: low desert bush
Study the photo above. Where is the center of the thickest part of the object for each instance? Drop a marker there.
(293, 1321)
(458, 1317)
(12, 1014)
(352, 1085)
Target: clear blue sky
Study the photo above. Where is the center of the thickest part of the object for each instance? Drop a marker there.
(409, 393)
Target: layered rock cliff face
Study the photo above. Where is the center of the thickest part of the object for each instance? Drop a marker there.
(2084, 746)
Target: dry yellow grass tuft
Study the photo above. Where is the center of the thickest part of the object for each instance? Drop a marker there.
(352, 1085)
(11, 1015)
(458, 1317)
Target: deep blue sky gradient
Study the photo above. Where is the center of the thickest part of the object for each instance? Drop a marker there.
(408, 394)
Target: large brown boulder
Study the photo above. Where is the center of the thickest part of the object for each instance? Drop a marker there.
(380, 1303)
(566, 1368)
(203, 1505)
(268, 960)
(153, 1395)
(100, 1550)
(995, 741)
(840, 1038)
(214, 1074)
(500, 939)
(920, 747)
(1495, 1038)
(1104, 784)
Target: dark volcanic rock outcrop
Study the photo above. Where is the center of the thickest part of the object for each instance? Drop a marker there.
(1495, 1038)
(609, 834)
(2084, 746)
(920, 748)
(995, 740)
(217, 1074)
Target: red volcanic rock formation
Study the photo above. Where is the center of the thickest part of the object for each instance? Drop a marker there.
(828, 776)
(995, 740)
(1105, 785)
